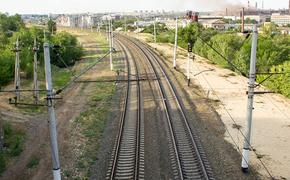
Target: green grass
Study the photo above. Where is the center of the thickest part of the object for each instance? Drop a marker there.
(13, 144)
(60, 77)
(92, 123)
(33, 162)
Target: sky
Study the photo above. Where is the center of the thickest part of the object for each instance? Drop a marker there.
(81, 6)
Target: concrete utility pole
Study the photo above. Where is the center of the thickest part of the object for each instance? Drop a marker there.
(98, 28)
(137, 24)
(154, 24)
(17, 71)
(51, 114)
(112, 33)
(125, 24)
(35, 81)
(175, 44)
(110, 46)
(107, 32)
(44, 34)
(252, 78)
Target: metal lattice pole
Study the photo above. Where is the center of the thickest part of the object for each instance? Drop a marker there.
(252, 78)
(51, 115)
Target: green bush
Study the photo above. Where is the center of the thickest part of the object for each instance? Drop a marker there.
(14, 140)
(69, 52)
(273, 51)
(279, 83)
(2, 162)
(6, 66)
(13, 144)
(12, 28)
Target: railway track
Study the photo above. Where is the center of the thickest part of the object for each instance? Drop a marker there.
(127, 160)
(187, 157)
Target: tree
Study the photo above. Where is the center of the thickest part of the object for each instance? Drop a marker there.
(269, 29)
(191, 32)
(69, 51)
(51, 26)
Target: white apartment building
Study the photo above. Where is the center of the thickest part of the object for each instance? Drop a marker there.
(280, 19)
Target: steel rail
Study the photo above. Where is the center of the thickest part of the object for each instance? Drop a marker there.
(206, 171)
(119, 165)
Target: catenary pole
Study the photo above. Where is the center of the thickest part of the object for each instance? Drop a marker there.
(154, 24)
(107, 32)
(110, 45)
(17, 71)
(112, 33)
(51, 114)
(175, 44)
(252, 78)
(125, 24)
(35, 80)
(98, 28)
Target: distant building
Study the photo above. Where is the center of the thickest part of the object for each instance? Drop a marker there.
(215, 24)
(171, 24)
(82, 21)
(258, 18)
(280, 19)
(64, 21)
(233, 18)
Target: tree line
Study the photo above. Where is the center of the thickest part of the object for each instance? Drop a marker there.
(12, 27)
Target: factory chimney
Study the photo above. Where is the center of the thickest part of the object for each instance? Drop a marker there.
(248, 4)
(192, 16)
(227, 11)
(243, 20)
(256, 5)
(195, 17)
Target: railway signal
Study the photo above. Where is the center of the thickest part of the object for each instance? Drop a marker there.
(252, 79)
(51, 114)
(189, 49)
(175, 44)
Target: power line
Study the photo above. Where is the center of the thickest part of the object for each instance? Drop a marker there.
(234, 66)
(231, 117)
(80, 74)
